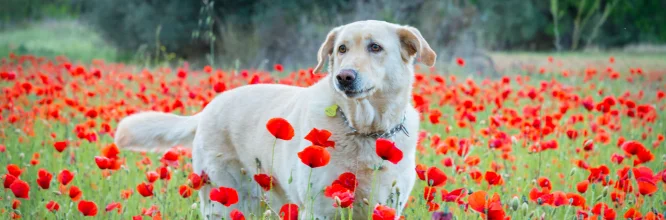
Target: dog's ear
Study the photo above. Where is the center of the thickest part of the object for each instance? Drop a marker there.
(413, 42)
(326, 49)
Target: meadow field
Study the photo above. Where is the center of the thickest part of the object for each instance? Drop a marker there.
(554, 136)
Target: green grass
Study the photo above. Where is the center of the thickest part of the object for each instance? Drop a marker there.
(54, 38)
(557, 165)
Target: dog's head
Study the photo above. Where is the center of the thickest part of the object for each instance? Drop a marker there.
(366, 57)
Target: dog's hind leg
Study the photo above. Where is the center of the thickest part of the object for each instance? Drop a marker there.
(213, 155)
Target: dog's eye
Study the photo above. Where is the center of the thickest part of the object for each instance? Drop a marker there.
(342, 49)
(375, 47)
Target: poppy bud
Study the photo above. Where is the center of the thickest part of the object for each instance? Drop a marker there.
(337, 201)
(393, 183)
(524, 207)
(515, 202)
(397, 190)
(267, 214)
(663, 157)
(194, 205)
(572, 172)
(365, 201)
(290, 178)
(605, 192)
(629, 174)
(21, 155)
(243, 171)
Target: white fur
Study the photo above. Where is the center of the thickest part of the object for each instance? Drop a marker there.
(231, 134)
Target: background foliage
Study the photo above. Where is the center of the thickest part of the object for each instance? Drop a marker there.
(253, 32)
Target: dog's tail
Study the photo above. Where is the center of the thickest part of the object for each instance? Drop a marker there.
(155, 131)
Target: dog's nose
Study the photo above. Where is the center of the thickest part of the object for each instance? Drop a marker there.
(346, 77)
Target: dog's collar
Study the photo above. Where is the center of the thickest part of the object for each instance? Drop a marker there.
(377, 134)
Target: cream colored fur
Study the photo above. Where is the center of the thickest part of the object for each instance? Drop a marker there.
(230, 133)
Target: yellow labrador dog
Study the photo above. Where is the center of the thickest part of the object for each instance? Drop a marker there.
(371, 71)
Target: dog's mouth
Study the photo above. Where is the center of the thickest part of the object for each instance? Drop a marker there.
(357, 93)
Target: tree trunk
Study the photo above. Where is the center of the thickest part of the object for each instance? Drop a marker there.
(556, 17)
(602, 20)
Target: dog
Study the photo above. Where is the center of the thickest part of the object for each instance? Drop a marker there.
(371, 72)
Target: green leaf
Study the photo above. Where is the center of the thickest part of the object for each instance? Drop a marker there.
(332, 110)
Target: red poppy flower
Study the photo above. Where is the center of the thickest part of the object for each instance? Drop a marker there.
(344, 198)
(102, 162)
(236, 215)
(435, 115)
(647, 184)
(125, 194)
(454, 196)
(278, 67)
(152, 176)
(114, 206)
(320, 138)
(432, 206)
(150, 212)
(493, 178)
(196, 181)
(65, 177)
(544, 183)
(92, 113)
(145, 189)
(289, 212)
(460, 61)
(170, 158)
(219, 87)
(87, 208)
(184, 191)
(421, 170)
(602, 208)
(16, 204)
(435, 177)
(429, 193)
(75, 193)
(582, 186)
(225, 196)
(598, 173)
(314, 156)
(9, 179)
(491, 207)
(633, 214)
(346, 180)
(60, 145)
(52, 206)
(14, 170)
(342, 189)
(20, 188)
(265, 181)
(164, 172)
(383, 213)
(280, 128)
(388, 151)
(617, 158)
(44, 178)
(576, 200)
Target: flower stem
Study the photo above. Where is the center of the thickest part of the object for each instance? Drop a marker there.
(372, 190)
(270, 182)
(307, 193)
